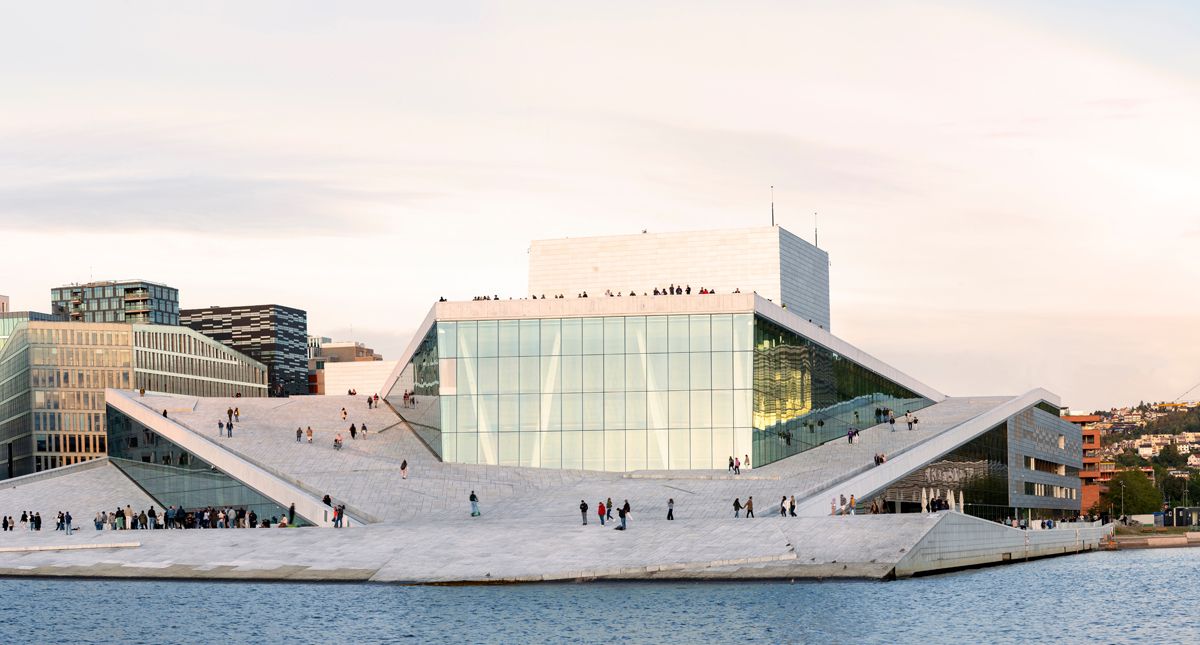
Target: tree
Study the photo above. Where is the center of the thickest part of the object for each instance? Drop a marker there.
(1130, 459)
(1169, 457)
(1140, 494)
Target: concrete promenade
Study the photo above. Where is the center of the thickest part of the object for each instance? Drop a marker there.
(509, 550)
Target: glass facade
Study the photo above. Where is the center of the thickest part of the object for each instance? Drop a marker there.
(623, 393)
(175, 477)
(978, 468)
(806, 395)
(53, 376)
(130, 302)
(271, 334)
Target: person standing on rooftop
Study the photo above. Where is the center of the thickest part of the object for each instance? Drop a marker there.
(892, 420)
(237, 415)
(299, 434)
(750, 507)
(474, 504)
(583, 509)
(309, 433)
(783, 506)
(671, 509)
(626, 508)
(730, 463)
(404, 469)
(792, 506)
(229, 413)
(601, 510)
(908, 419)
(609, 507)
(737, 507)
(221, 427)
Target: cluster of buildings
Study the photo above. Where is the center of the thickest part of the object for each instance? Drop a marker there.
(132, 335)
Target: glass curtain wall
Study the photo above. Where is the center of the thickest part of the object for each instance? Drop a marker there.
(613, 393)
(806, 395)
(978, 468)
(175, 477)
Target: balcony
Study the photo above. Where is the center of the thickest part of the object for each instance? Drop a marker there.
(137, 294)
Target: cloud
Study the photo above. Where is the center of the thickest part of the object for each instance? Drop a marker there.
(211, 204)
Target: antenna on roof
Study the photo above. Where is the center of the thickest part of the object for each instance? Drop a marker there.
(816, 240)
(772, 206)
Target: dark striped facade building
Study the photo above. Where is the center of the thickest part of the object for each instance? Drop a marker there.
(271, 334)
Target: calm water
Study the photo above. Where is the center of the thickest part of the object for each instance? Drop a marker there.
(1100, 597)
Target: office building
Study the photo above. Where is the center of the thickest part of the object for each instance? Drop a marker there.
(128, 301)
(352, 372)
(53, 376)
(271, 334)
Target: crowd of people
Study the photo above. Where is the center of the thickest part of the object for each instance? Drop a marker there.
(673, 290)
(604, 509)
(735, 464)
(127, 519)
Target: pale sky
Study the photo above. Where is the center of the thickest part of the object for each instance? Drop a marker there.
(1007, 192)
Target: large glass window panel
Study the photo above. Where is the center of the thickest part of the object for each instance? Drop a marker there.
(722, 370)
(447, 376)
(572, 412)
(550, 418)
(680, 372)
(680, 451)
(551, 372)
(531, 453)
(743, 332)
(614, 451)
(572, 336)
(678, 333)
(656, 410)
(593, 373)
(722, 447)
(614, 410)
(551, 337)
(614, 372)
(701, 408)
(488, 376)
(678, 409)
(614, 335)
(656, 334)
(635, 410)
(743, 407)
(657, 450)
(635, 335)
(510, 412)
(449, 413)
(530, 377)
(466, 381)
(593, 450)
(468, 334)
(508, 343)
(593, 335)
(701, 333)
(722, 332)
(742, 444)
(572, 374)
(593, 411)
(489, 412)
(529, 412)
(701, 370)
(489, 448)
(529, 338)
(722, 408)
(743, 370)
(551, 449)
(468, 447)
(657, 371)
(447, 339)
(701, 442)
(510, 449)
(509, 374)
(488, 341)
(635, 449)
(468, 413)
(635, 372)
(572, 449)
(449, 447)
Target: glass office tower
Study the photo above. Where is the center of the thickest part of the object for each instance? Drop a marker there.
(623, 393)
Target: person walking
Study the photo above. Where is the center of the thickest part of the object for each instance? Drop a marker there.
(908, 419)
(404, 469)
(67, 522)
(783, 506)
(221, 427)
(892, 420)
(229, 414)
(850, 435)
(792, 506)
(731, 463)
(583, 509)
(229, 431)
(343, 414)
(299, 434)
(671, 509)
(237, 415)
(353, 431)
(737, 507)
(609, 506)
(292, 513)
(628, 512)
(750, 507)
(363, 431)
(600, 511)
(309, 433)
(737, 466)
(474, 504)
